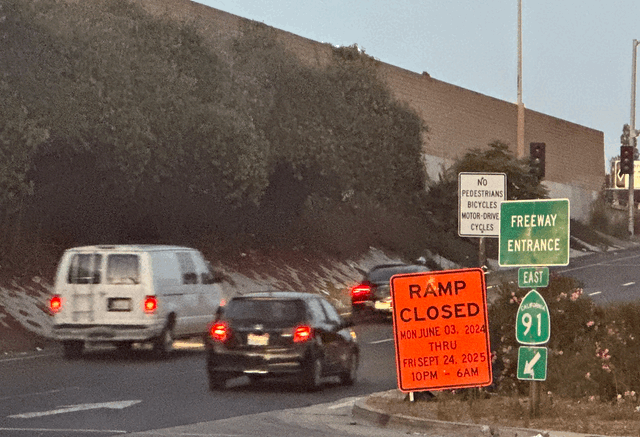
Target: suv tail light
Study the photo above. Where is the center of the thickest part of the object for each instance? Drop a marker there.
(55, 303)
(219, 331)
(361, 292)
(150, 304)
(302, 333)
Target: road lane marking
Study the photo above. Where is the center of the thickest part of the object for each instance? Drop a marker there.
(381, 341)
(29, 357)
(627, 284)
(118, 405)
(595, 292)
(67, 431)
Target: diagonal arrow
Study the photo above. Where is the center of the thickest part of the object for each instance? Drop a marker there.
(118, 405)
(528, 366)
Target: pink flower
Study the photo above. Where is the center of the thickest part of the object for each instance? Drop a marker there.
(588, 376)
(590, 323)
(576, 294)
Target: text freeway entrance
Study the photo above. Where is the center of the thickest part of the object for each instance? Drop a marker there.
(534, 233)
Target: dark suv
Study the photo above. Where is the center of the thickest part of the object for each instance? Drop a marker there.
(280, 334)
(373, 293)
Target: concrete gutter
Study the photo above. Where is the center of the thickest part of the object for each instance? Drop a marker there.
(363, 411)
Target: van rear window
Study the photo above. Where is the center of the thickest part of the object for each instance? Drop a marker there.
(123, 269)
(84, 269)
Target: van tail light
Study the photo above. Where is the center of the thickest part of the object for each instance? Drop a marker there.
(55, 304)
(361, 292)
(302, 333)
(150, 304)
(220, 331)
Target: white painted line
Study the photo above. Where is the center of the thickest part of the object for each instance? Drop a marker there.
(67, 431)
(28, 357)
(118, 405)
(595, 292)
(386, 340)
(627, 284)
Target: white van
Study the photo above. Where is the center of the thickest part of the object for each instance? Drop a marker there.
(125, 294)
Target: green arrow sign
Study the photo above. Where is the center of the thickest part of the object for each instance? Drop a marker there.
(533, 277)
(534, 233)
(532, 363)
(533, 325)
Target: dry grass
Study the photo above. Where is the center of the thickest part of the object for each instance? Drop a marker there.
(586, 417)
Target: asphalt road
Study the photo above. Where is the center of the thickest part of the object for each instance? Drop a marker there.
(608, 277)
(108, 393)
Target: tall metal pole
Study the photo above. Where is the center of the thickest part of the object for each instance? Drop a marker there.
(520, 152)
(632, 136)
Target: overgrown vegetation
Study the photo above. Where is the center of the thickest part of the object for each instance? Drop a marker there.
(117, 126)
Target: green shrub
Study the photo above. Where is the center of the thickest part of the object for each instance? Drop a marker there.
(592, 349)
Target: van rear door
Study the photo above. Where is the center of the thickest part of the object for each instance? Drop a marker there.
(83, 276)
(124, 289)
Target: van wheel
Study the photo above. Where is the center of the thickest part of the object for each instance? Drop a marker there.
(163, 344)
(72, 350)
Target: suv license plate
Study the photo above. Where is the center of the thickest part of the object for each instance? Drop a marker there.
(258, 339)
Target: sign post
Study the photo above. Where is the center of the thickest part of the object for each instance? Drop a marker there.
(441, 330)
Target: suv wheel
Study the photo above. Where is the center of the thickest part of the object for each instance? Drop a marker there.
(350, 373)
(312, 374)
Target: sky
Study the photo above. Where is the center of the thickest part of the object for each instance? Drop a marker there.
(576, 55)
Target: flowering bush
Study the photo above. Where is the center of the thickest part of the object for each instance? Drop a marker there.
(592, 351)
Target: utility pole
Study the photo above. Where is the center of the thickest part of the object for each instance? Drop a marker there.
(520, 128)
(632, 138)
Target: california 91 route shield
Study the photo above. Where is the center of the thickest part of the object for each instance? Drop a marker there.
(441, 330)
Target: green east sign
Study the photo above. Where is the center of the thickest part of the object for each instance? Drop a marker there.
(532, 363)
(533, 277)
(534, 233)
(533, 324)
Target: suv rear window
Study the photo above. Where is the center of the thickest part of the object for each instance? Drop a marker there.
(280, 312)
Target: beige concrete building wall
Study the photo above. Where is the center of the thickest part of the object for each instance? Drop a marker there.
(458, 119)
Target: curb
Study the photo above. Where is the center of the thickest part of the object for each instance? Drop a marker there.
(382, 419)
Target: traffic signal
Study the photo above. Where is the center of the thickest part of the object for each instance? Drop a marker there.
(626, 159)
(625, 138)
(536, 159)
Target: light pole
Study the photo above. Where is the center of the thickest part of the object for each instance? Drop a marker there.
(520, 121)
(632, 136)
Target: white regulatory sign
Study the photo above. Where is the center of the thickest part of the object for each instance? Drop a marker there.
(479, 198)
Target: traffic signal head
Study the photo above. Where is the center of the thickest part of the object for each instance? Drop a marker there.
(536, 159)
(626, 159)
(625, 138)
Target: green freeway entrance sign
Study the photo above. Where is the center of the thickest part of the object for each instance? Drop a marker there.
(532, 363)
(533, 277)
(534, 233)
(533, 324)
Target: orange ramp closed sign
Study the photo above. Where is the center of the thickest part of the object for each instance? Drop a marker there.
(441, 330)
